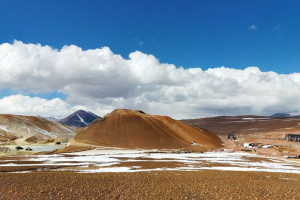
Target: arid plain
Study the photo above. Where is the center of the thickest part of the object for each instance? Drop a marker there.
(197, 165)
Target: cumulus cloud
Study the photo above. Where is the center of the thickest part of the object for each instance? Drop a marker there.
(26, 105)
(100, 81)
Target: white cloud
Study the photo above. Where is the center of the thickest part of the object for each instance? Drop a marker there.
(253, 27)
(26, 105)
(100, 81)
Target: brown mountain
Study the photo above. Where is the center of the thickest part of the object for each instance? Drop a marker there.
(247, 124)
(23, 129)
(136, 129)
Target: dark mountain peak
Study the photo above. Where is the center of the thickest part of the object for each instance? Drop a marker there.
(281, 115)
(80, 118)
(80, 111)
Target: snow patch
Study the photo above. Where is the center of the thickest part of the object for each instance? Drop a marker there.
(70, 131)
(44, 132)
(106, 158)
(4, 128)
(81, 119)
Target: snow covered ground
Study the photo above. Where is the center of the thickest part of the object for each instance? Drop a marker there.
(116, 160)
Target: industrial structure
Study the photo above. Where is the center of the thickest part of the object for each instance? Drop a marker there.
(292, 138)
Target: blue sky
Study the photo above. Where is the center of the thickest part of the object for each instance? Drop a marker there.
(203, 34)
(75, 72)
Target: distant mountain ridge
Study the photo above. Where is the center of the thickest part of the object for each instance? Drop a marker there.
(80, 118)
(286, 114)
(281, 115)
(54, 119)
(245, 124)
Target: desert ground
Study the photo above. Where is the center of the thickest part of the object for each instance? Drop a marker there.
(115, 173)
(206, 184)
(254, 129)
(90, 171)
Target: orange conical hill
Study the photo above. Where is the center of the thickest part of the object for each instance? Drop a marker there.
(135, 129)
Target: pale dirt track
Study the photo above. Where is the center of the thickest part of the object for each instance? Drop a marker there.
(150, 185)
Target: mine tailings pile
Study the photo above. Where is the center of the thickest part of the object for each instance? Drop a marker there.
(136, 129)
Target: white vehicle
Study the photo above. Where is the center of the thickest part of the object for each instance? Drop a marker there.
(251, 145)
(246, 145)
(267, 146)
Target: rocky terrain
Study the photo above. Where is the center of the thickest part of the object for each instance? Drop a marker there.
(17, 129)
(150, 185)
(178, 170)
(254, 129)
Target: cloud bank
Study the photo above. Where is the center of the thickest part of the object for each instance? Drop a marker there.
(100, 81)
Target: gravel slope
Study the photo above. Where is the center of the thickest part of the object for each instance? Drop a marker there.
(135, 129)
(150, 185)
